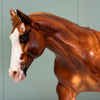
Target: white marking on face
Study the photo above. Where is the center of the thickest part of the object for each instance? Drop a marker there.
(22, 27)
(15, 63)
(16, 48)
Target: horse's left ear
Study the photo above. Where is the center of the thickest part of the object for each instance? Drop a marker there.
(26, 19)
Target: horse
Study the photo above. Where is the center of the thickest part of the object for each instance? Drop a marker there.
(76, 49)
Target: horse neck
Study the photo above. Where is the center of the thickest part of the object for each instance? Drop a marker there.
(50, 24)
(58, 32)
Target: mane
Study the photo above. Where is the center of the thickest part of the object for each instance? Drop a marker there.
(15, 20)
(51, 20)
(58, 23)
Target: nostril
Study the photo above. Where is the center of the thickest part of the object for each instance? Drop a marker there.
(14, 72)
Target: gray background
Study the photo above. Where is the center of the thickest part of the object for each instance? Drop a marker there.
(40, 83)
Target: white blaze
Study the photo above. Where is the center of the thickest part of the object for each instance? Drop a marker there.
(16, 49)
(15, 57)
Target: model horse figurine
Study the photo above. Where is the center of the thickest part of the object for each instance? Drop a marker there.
(77, 51)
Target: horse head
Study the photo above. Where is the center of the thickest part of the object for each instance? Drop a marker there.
(27, 44)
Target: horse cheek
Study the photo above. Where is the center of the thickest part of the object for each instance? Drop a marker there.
(36, 45)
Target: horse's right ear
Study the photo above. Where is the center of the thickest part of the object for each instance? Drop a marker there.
(14, 17)
(12, 13)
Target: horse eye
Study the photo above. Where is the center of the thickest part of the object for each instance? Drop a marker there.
(23, 38)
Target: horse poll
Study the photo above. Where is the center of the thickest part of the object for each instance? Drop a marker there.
(76, 49)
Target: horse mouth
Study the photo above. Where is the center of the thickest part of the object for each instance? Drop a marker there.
(24, 70)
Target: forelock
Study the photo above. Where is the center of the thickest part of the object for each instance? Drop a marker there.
(15, 20)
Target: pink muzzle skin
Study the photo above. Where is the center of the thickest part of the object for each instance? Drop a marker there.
(16, 74)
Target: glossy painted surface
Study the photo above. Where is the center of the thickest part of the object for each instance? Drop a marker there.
(88, 16)
(76, 51)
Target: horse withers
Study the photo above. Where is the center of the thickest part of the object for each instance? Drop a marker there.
(77, 51)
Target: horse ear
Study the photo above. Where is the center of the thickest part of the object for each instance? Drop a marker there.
(14, 17)
(25, 18)
(12, 12)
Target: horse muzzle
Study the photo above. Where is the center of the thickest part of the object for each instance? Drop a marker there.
(17, 74)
